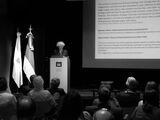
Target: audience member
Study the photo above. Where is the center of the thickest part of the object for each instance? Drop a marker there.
(129, 97)
(72, 108)
(24, 89)
(105, 100)
(25, 108)
(43, 98)
(31, 81)
(103, 114)
(8, 102)
(150, 85)
(58, 93)
(148, 109)
(105, 84)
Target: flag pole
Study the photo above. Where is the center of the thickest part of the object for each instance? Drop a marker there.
(18, 35)
(30, 41)
(30, 38)
(28, 64)
(17, 63)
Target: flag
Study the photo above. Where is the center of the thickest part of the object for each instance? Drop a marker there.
(17, 63)
(28, 64)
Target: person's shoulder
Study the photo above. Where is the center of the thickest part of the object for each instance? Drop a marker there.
(121, 93)
(61, 91)
(32, 93)
(114, 100)
(85, 116)
(46, 91)
(65, 52)
(156, 114)
(140, 102)
(6, 94)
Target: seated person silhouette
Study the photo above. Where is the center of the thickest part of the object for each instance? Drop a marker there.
(25, 108)
(8, 102)
(150, 85)
(60, 51)
(43, 99)
(129, 97)
(105, 100)
(58, 93)
(72, 107)
(148, 109)
(24, 89)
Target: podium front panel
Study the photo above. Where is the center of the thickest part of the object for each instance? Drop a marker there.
(59, 69)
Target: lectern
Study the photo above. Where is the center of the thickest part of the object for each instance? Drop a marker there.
(60, 68)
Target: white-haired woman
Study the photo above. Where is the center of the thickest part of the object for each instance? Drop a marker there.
(60, 51)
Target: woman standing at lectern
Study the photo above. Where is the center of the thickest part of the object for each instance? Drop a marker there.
(60, 51)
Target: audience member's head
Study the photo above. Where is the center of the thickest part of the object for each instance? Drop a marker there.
(105, 84)
(151, 90)
(150, 99)
(132, 83)
(151, 85)
(38, 82)
(3, 84)
(55, 82)
(32, 77)
(104, 94)
(102, 114)
(31, 80)
(25, 108)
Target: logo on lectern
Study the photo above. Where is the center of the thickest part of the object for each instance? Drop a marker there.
(58, 64)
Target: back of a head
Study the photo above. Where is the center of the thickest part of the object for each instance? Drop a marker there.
(104, 94)
(132, 83)
(38, 82)
(31, 80)
(25, 107)
(151, 85)
(103, 114)
(3, 84)
(105, 84)
(55, 82)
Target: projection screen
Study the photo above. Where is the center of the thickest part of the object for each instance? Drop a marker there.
(121, 34)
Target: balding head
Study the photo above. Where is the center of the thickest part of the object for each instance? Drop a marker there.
(103, 114)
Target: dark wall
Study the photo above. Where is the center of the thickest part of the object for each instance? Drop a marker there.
(6, 37)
